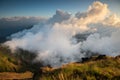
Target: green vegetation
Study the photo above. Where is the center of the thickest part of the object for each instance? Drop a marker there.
(107, 68)
(94, 68)
(7, 61)
(14, 66)
(20, 61)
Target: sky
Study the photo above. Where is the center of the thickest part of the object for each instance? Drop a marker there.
(65, 38)
(46, 8)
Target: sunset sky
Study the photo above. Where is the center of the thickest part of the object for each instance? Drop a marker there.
(46, 8)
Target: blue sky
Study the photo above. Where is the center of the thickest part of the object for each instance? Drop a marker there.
(46, 8)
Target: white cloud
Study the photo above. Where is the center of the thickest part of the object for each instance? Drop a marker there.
(112, 20)
(55, 44)
(95, 13)
(59, 17)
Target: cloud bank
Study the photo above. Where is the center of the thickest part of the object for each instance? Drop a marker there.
(12, 25)
(55, 42)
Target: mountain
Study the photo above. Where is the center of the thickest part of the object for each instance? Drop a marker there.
(20, 61)
(7, 61)
(20, 64)
(95, 68)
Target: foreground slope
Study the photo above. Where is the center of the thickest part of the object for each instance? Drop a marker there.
(7, 61)
(12, 67)
(20, 61)
(95, 68)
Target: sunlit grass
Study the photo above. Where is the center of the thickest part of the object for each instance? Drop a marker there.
(104, 69)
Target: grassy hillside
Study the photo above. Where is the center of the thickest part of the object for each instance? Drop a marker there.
(20, 61)
(95, 68)
(12, 67)
(7, 61)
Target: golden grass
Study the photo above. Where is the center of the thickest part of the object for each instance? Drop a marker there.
(13, 75)
(103, 69)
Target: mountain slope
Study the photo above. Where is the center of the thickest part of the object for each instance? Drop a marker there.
(95, 68)
(7, 61)
(21, 61)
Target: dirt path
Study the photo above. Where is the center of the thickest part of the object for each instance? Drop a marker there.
(13, 75)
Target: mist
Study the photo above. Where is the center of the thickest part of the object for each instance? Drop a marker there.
(10, 25)
(54, 41)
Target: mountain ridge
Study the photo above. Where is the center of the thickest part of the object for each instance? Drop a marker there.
(99, 67)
